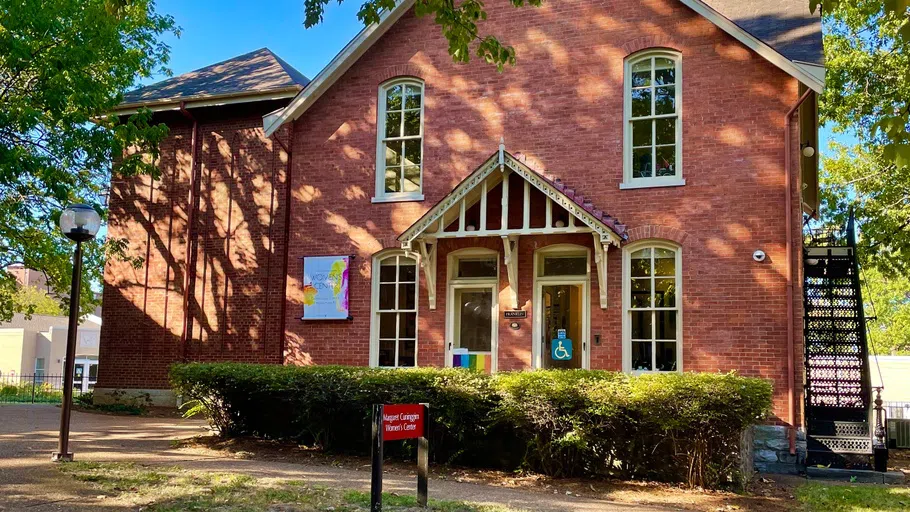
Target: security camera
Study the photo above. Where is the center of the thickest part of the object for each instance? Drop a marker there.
(759, 256)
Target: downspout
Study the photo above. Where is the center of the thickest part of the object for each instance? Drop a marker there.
(189, 274)
(287, 237)
(791, 359)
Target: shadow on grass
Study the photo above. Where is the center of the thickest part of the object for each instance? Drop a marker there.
(171, 489)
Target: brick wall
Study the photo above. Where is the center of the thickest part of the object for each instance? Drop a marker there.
(562, 106)
(238, 282)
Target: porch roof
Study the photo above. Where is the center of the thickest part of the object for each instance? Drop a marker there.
(609, 229)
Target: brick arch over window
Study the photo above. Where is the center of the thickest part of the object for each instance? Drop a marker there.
(657, 231)
(401, 71)
(655, 42)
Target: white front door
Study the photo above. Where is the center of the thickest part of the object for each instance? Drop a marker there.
(473, 335)
(562, 303)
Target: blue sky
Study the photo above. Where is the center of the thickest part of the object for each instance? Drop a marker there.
(215, 31)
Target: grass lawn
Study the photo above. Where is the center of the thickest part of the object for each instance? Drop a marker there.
(820, 497)
(166, 489)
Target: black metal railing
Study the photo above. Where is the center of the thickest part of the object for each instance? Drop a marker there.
(37, 388)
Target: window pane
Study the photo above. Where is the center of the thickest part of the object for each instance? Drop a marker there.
(641, 133)
(407, 325)
(641, 293)
(477, 268)
(664, 262)
(387, 325)
(641, 102)
(641, 73)
(413, 97)
(412, 178)
(407, 272)
(476, 320)
(406, 296)
(664, 71)
(666, 130)
(665, 293)
(641, 263)
(412, 122)
(665, 102)
(666, 161)
(641, 162)
(393, 179)
(666, 356)
(641, 325)
(393, 124)
(641, 355)
(393, 98)
(387, 271)
(393, 154)
(666, 325)
(562, 266)
(387, 353)
(406, 350)
(412, 152)
(386, 296)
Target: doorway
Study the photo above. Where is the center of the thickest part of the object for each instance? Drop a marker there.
(562, 326)
(561, 307)
(472, 304)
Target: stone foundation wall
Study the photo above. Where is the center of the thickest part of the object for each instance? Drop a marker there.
(771, 450)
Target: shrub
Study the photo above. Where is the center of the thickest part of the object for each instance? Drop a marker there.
(674, 427)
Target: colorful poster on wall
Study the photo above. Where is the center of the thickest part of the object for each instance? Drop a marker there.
(325, 287)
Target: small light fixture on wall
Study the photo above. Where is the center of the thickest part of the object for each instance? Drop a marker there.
(560, 224)
(470, 227)
(807, 150)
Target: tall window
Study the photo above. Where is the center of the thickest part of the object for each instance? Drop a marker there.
(394, 326)
(400, 146)
(652, 304)
(653, 82)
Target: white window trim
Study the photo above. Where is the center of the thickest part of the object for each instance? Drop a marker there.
(380, 195)
(628, 182)
(627, 302)
(374, 307)
(455, 283)
(540, 281)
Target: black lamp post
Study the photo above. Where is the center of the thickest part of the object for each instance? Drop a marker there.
(80, 223)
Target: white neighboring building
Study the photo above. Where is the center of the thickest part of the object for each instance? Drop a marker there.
(37, 347)
(895, 373)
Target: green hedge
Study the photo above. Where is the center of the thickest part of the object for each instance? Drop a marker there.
(670, 427)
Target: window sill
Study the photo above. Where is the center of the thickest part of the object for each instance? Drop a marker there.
(654, 184)
(397, 199)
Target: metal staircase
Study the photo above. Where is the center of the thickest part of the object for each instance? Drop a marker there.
(838, 390)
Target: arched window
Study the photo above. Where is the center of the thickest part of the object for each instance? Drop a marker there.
(653, 122)
(394, 311)
(399, 156)
(652, 307)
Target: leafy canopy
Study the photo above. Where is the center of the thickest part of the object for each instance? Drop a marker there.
(30, 300)
(63, 65)
(458, 22)
(867, 93)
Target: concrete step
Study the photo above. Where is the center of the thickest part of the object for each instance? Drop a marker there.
(855, 475)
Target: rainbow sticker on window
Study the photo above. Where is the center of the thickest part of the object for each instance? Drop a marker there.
(478, 361)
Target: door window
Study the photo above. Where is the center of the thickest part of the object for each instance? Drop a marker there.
(562, 329)
(473, 344)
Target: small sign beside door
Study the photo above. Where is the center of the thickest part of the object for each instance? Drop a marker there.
(515, 313)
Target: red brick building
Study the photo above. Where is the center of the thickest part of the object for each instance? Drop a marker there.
(618, 199)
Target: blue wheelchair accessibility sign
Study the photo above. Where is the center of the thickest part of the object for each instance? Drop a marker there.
(561, 349)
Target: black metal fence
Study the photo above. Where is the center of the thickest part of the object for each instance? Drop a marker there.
(35, 389)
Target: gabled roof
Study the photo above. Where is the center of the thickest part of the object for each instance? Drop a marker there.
(610, 229)
(257, 73)
(781, 31)
(785, 25)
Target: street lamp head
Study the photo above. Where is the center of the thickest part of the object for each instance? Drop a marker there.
(80, 222)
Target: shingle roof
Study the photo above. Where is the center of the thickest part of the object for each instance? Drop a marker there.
(257, 72)
(785, 25)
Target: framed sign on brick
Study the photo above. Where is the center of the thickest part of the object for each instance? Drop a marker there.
(326, 287)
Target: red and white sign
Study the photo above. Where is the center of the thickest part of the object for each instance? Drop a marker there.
(402, 421)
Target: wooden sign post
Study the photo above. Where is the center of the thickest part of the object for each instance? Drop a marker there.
(393, 422)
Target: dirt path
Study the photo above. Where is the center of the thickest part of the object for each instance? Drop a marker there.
(29, 481)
